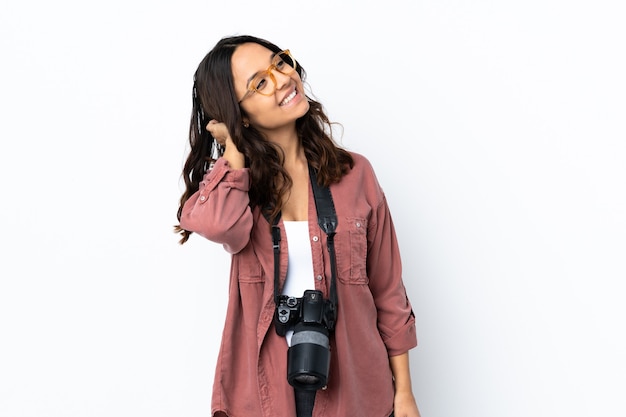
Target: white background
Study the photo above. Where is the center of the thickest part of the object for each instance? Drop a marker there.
(496, 129)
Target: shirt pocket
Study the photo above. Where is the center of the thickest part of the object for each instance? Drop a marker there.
(249, 268)
(351, 248)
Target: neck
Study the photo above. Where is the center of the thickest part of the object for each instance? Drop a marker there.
(292, 149)
(294, 157)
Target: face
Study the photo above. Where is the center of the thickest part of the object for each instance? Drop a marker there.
(270, 110)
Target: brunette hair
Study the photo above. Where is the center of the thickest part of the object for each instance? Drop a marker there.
(214, 98)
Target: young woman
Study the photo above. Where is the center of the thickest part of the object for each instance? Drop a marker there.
(259, 145)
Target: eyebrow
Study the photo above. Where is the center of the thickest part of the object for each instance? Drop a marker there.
(257, 73)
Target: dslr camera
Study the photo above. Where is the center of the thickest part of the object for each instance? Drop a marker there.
(308, 357)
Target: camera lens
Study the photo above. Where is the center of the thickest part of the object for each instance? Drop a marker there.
(308, 360)
(306, 379)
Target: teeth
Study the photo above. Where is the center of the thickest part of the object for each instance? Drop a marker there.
(288, 98)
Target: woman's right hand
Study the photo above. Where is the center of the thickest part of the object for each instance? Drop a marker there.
(219, 131)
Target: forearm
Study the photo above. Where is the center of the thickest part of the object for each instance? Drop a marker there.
(235, 159)
(401, 372)
(404, 402)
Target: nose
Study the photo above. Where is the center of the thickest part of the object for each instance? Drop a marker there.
(280, 79)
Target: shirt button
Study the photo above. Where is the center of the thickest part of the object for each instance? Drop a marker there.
(319, 277)
(202, 198)
(315, 238)
(358, 224)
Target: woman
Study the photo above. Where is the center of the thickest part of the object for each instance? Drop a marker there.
(255, 139)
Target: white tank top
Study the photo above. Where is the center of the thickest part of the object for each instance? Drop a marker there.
(300, 262)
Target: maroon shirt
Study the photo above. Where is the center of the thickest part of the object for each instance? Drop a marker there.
(375, 319)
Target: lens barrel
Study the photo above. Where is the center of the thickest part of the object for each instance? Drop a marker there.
(308, 358)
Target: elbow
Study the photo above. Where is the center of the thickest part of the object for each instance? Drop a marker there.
(234, 237)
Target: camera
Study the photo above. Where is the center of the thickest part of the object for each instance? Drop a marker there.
(308, 357)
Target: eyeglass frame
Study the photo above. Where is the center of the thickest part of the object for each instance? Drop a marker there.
(252, 89)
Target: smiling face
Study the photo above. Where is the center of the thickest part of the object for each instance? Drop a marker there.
(277, 110)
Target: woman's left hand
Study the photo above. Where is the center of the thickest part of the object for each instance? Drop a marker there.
(404, 405)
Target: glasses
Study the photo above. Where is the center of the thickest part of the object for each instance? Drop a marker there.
(282, 62)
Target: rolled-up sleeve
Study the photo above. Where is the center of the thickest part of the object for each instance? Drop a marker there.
(220, 210)
(396, 321)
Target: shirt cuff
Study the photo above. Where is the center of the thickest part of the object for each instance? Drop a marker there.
(403, 340)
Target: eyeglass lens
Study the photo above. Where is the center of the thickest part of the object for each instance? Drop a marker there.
(264, 82)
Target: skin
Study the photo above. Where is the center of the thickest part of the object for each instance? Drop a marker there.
(404, 403)
(278, 123)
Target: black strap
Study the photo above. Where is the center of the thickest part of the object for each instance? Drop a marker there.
(327, 220)
(305, 401)
(326, 216)
(276, 246)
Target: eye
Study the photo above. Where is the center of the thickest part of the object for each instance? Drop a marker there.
(259, 82)
(280, 63)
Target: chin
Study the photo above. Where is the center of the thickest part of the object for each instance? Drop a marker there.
(305, 107)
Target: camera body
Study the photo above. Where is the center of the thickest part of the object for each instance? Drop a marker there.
(312, 308)
(308, 358)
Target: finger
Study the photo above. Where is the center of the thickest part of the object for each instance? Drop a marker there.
(211, 128)
(210, 125)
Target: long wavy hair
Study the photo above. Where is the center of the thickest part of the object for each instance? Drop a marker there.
(213, 97)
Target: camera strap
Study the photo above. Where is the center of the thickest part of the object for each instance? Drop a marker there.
(327, 220)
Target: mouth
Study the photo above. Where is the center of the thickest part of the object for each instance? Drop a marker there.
(288, 98)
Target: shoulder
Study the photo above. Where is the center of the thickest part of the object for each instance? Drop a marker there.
(359, 159)
(362, 179)
(362, 168)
